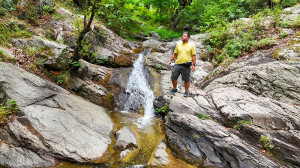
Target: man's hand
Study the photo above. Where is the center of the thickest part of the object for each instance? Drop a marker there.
(169, 63)
(193, 68)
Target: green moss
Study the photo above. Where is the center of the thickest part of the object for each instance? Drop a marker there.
(3, 56)
(276, 53)
(108, 101)
(12, 30)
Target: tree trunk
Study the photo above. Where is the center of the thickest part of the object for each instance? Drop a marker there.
(176, 20)
(86, 29)
(176, 16)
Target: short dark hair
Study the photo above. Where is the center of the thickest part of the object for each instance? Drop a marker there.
(187, 33)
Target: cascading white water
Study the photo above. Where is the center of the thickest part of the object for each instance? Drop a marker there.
(140, 93)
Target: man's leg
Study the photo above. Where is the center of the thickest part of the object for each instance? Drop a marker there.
(186, 85)
(186, 78)
(174, 82)
(175, 75)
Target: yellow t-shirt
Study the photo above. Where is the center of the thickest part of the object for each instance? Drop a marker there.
(184, 52)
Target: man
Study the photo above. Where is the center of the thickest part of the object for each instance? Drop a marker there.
(185, 57)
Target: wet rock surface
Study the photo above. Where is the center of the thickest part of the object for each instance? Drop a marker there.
(126, 139)
(52, 122)
(160, 155)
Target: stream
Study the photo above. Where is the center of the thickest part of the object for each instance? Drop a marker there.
(149, 129)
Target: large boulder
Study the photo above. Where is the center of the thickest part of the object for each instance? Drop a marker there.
(160, 155)
(290, 53)
(290, 15)
(52, 122)
(58, 54)
(19, 157)
(194, 139)
(278, 80)
(225, 122)
(103, 43)
(126, 139)
(154, 35)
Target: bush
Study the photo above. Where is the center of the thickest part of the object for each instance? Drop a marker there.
(6, 110)
(240, 37)
(203, 116)
(12, 30)
(163, 110)
(7, 5)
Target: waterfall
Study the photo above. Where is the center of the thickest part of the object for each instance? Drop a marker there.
(140, 93)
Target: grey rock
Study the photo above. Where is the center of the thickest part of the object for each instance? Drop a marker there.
(16, 84)
(246, 20)
(198, 41)
(156, 59)
(91, 81)
(151, 43)
(290, 53)
(87, 89)
(7, 53)
(165, 47)
(53, 121)
(257, 88)
(125, 153)
(104, 53)
(37, 42)
(192, 139)
(114, 42)
(234, 104)
(288, 31)
(295, 9)
(104, 42)
(277, 80)
(92, 72)
(141, 36)
(160, 155)
(17, 157)
(154, 34)
(60, 53)
(126, 138)
(290, 15)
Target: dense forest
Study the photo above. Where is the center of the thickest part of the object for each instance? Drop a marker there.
(133, 19)
(168, 17)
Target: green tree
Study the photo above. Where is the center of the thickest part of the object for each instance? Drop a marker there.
(176, 17)
(86, 28)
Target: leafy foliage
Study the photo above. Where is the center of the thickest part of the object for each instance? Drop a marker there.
(228, 42)
(203, 116)
(164, 109)
(241, 122)
(266, 143)
(6, 6)
(9, 108)
(11, 30)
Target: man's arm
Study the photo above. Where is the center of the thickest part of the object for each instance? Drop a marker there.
(194, 62)
(172, 58)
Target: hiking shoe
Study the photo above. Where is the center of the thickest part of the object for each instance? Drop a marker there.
(186, 94)
(173, 91)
